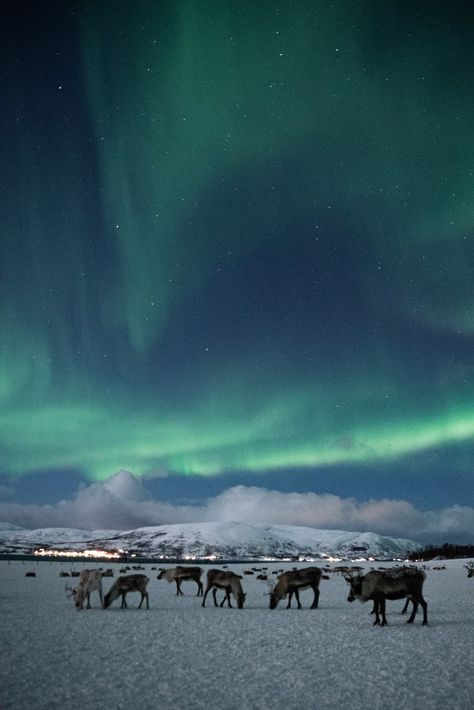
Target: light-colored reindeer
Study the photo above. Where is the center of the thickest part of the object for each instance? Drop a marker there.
(229, 582)
(90, 580)
(180, 574)
(123, 585)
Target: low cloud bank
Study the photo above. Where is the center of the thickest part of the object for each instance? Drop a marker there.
(123, 503)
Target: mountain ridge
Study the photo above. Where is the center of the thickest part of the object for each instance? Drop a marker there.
(214, 540)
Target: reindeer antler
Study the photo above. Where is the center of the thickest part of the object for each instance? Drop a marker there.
(350, 573)
(270, 585)
(70, 591)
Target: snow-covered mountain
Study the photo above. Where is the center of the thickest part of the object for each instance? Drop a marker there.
(223, 540)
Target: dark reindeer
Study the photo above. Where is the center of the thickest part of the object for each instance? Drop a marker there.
(229, 582)
(470, 568)
(123, 585)
(290, 583)
(390, 571)
(398, 583)
(181, 574)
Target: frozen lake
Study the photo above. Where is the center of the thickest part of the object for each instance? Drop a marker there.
(181, 655)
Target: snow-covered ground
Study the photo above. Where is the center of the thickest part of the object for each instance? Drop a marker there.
(177, 654)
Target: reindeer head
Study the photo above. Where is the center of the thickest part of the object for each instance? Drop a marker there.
(270, 584)
(240, 600)
(70, 591)
(355, 583)
(80, 595)
(277, 592)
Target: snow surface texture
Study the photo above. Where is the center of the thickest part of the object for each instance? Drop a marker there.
(236, 541)
(177, 654)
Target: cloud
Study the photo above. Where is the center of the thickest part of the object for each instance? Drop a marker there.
(123, 503)
(6, 491)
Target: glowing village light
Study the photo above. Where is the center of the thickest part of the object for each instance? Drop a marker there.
(87, 554)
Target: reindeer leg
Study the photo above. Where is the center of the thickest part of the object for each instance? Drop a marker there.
(314, 605)
(424, 606)
(214, 594)
(382, 609)
(376, 611)
(204, 597)
(227, 597)
(144, 596)
(413, 613)
(290, 596)
(405, 607)
(297, 595)
(200, 588)
(88, 600)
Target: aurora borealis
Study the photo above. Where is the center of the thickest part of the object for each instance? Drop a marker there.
(237, 245)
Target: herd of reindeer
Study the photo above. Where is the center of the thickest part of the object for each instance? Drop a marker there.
(376, 586)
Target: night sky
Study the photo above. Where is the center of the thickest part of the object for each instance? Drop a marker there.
(237, 254)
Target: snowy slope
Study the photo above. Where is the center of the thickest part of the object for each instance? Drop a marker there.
(223, 540)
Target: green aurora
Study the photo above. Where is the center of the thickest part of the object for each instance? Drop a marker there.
(238, 238)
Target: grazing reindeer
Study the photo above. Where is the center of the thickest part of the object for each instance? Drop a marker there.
(290, 583)
(401, 583)
(90, 580)
(123, 585)
(229, 582)
(470, 568)
(180, 574)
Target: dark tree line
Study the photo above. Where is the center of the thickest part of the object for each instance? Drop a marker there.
(448, 551)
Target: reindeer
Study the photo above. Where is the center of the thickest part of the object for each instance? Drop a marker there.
(123, 585)
(179, 574)
(229, 582)
(470, 568)
(290, 583)
(390, 571)
(90, 580)
(401, 583)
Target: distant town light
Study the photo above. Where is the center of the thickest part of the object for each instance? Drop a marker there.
(95, 554)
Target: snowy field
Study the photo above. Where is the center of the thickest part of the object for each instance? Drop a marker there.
(177, 654)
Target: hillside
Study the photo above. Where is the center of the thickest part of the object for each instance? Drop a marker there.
(221, 540)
